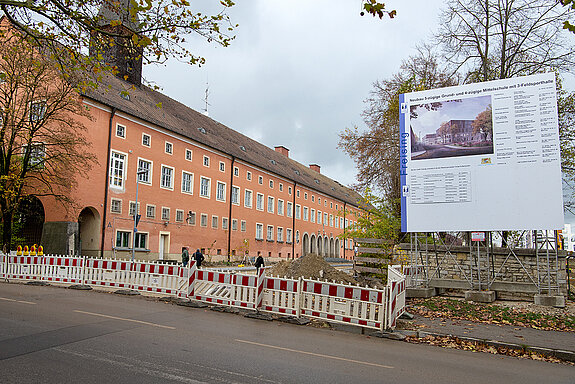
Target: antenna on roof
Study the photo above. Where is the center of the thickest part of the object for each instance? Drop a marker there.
(207, 93)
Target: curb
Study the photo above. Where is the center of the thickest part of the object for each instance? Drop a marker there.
(549, 352)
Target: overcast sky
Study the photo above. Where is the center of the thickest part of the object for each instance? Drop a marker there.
(298, 71)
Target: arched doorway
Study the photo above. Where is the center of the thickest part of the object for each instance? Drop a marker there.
(319, 246)
(313, 244)
(28, 222)
(331, 247)
(325, 246)
(337, 246)
(89, 229)
(305, 245)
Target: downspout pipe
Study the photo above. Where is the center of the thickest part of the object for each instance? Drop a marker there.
(344, 228)
(293, 223)
(106, 185)
(230, 207)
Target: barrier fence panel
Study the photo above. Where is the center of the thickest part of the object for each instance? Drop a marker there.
(244, 291)
(155, 277)
(212, 287)
(396, 283)
(281, 295)
(24, 267)
(347, 304)
(63, 269)
(108, 273)
(3, 265)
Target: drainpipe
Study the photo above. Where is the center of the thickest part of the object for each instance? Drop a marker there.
(104, 218)
(293, 223)
(230, 208)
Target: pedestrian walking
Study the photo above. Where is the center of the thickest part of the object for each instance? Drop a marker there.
(185, 256)
(259, 263)
(198, 257)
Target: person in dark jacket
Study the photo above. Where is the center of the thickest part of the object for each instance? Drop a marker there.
(259, 263)
(185, 256)
(198, 257)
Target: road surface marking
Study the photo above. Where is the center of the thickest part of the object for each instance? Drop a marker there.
(124, 319)
(314, 354)
(17, 301)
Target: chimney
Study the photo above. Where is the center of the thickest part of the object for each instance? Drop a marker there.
(283, 150)
(315, 167)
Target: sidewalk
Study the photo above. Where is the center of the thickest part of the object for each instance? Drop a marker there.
(553, 343)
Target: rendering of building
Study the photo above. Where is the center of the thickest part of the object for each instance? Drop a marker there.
(192, 182)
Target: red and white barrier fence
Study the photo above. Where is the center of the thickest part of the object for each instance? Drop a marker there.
(347, 304)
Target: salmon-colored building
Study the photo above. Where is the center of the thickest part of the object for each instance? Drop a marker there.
(197, 184)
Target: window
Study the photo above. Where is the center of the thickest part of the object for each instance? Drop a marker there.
(179, 216)
(312, 215)
(312, 198)
(221, 191)
(120, 131)
(150, 211)
(297, 193)
(305, 195)
(325, 222)
(165, 213)
(169, 148)
(236, 172)
(234, 224)
(191, 219)
(336, 222)
(146, 140)
(222, 166)
(289, 190)
(331, 205)
(281, 187)
(132, 209)
(248, 198)
(341, 222)
(305, 213)
(280, 235)
(289, 208)
(117, 167)
(280, 207)
(319, 200)
(236, 195)
(141, 240)
(271, 184)
(204, 187)
(206, 161)
(224, 223)
(187, 182)
(249, 175)
(214, 222)
(259, 231)
(37, 111)
(324, 202)
(167, 180)
(144, 171)
(260, 180)
(288, 235)
(270, 204)
(319, 217)
(270, 233)
(260, 202)
(189, 154)
(297, 211)
(243, 226)
(116, 206)
(123, 239)
(37, 154)
(204, 220)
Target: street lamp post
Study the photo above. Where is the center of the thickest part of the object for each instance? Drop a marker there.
(138, 173)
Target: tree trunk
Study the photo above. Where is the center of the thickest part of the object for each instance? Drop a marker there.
(7, 231)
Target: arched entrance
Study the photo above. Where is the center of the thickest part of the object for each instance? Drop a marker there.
(331, 247)
(319, 246)
(313, 244)
(89, 229)
(305, 245)
(337, 246)
(28, 222)
(325, 246)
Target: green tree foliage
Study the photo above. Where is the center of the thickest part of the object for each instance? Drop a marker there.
(483, 123)
(570, 4)
(157, 29)
(42, 132)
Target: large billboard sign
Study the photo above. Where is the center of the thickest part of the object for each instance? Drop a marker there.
(481, 157)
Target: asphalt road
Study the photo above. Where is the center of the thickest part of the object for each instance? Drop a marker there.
(55, 335)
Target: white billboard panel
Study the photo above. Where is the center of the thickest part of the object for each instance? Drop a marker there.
(481, 157)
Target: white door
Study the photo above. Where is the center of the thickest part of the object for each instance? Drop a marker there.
(163, 246)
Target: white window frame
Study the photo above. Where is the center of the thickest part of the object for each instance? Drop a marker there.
(260, 201)
(289, 209)
(215, 221)
(234, 224)
(190, 184)
(225, 223)
(144, 135)
(280, 234)
(270, 233)
(206, 161)
(164, 210)
(248, 176)
(119, 203)
(235, 195)
(280, 207)
(163, 177)
(305, 213)
(236, 172)
(153, 211)
(222, 166)
(179, 215)
(312, 215)
(248, 201)
(145, 178)
(298, 212)
(168, 148)
(271, 203)
(120, 131)
(260, 180)
(259, 231)
(146, 236)
(35, 114)
(271, 184)
(117, 181)
(204, 220)
(208, 187)
(221, 191)
(288, 235)
(243, 226)
(191, 154)
(126, 235)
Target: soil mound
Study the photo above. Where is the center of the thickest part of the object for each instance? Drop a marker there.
(311, 266)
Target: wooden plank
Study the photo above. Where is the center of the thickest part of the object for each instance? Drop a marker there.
(361, 259)
(379, 251)
(372, 241)
(368, 269)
